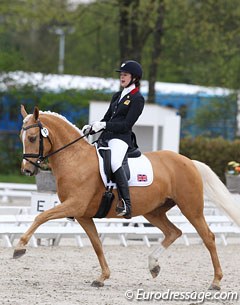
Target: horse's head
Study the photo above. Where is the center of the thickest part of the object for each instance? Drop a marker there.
(35, 147)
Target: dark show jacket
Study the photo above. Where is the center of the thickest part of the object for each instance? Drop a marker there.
(121, 116)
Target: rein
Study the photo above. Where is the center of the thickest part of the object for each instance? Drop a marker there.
(43, 133)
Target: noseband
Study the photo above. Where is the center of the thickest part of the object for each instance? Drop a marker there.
(43, 133)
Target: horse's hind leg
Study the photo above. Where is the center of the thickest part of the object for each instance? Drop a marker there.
(159, 219)
(90, 228)
(208, 238)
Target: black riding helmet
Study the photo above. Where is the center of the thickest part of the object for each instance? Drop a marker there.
(132, 67)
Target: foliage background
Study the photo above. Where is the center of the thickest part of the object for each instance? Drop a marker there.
(199, 40)
(198, 43)
(216, 153)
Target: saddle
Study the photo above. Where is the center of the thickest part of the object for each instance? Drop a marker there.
(105, 153)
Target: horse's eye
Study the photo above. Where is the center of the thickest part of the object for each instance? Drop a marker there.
(32, 139)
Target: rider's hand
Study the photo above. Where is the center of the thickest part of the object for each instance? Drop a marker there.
(86, 129)
(97, 126)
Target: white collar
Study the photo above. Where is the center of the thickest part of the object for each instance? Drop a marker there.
(127, 90)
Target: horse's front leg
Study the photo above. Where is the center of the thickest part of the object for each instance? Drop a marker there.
(90, 228)
(59, 211)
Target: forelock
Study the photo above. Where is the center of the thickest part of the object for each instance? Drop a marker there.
(26, 119)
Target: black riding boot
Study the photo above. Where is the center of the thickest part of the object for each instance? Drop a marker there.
(122, 184)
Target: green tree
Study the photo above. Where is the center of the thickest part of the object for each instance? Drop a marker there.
(197, 42)
(90, 50)
(134, 34)
(201, 43)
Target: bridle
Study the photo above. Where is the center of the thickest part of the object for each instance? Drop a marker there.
(43, 133)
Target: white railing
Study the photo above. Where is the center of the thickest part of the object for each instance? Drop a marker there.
(9, 191)
(14, 221)
(12, 226)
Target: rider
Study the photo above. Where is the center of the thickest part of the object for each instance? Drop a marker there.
(124, 110)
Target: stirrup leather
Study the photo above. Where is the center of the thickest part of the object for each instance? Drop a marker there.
(121, 210)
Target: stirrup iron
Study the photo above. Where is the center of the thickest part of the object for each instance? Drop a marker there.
(121, 210)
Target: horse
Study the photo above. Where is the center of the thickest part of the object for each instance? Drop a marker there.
(177, 180)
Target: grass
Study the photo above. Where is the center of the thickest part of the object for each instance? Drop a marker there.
(17, 178)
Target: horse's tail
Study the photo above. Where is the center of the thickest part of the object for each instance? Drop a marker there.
(217, 192)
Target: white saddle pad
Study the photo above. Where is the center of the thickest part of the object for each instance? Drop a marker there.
(141, 172)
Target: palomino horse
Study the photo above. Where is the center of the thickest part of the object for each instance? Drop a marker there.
(177, 181)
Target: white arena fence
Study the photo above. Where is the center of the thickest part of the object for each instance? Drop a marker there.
(14, 221)
(10, 191)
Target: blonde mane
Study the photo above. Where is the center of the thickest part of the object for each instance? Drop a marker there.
(62, 118)
(26, 119)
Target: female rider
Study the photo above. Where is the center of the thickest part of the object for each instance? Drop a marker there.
(125, 108)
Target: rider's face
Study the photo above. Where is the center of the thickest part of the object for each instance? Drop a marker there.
(125, 79)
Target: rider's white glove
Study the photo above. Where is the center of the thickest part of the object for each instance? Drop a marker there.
(86, 129)
(97, 126)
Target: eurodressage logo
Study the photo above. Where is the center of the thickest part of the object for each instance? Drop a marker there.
(200, 297)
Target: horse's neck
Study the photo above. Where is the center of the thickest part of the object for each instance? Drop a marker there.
(63, 137)
(77, 158)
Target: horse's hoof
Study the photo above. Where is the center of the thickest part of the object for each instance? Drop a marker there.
(18, 253)
(214, 287)
(97, 284)
(155, 271)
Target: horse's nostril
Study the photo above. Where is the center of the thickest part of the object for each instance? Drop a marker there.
(27, 172)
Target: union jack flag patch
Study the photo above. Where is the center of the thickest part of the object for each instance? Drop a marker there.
(142, 178)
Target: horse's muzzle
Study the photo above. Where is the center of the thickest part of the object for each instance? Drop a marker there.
(29, 169)
(27, 172)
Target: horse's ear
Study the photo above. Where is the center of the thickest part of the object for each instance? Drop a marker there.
(36, 113)
(23, 111)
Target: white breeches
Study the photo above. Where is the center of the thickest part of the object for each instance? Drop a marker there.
(118, 152)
